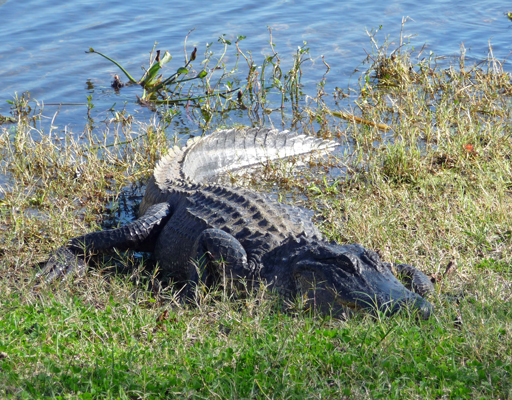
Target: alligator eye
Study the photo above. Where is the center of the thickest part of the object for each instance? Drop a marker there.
(349, 263)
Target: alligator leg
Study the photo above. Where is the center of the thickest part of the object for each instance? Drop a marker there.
(224, 256)
(413, 278)
(138, 235)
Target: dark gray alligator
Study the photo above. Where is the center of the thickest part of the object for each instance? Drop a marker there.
(203, 231)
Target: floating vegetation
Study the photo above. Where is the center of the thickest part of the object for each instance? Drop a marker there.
(156, 88)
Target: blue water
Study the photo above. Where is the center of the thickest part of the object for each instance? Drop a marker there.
(43, 43)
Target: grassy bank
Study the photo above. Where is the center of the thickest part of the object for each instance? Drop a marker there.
(434, 190)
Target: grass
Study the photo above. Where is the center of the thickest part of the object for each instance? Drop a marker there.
(227, 350)
(434, 191)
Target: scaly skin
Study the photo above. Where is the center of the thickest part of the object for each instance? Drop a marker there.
(202, 231)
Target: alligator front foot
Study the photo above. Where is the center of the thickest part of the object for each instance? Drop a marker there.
(225, 257)
(412, 278)
(63, 263)
(137, 235)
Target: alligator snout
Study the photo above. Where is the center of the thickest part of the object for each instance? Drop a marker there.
(384, 292)
(404, 300)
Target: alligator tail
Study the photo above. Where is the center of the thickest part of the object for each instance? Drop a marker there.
(205, 159)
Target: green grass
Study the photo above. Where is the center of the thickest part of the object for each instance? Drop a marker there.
(67, 345)
(433, 190)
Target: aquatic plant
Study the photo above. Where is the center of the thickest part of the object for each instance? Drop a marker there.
(157, 89)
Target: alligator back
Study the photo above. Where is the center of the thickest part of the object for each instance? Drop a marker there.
(206, 159)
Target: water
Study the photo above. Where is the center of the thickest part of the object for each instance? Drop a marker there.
(43, 44)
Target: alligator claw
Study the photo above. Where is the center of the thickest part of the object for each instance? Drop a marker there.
(62, 264)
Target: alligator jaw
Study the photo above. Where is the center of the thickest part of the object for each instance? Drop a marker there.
(391, 297)
(385, 294)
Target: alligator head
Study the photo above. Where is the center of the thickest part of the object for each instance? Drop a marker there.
(332, 276)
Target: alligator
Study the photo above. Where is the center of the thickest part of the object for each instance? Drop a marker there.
(203, 231)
